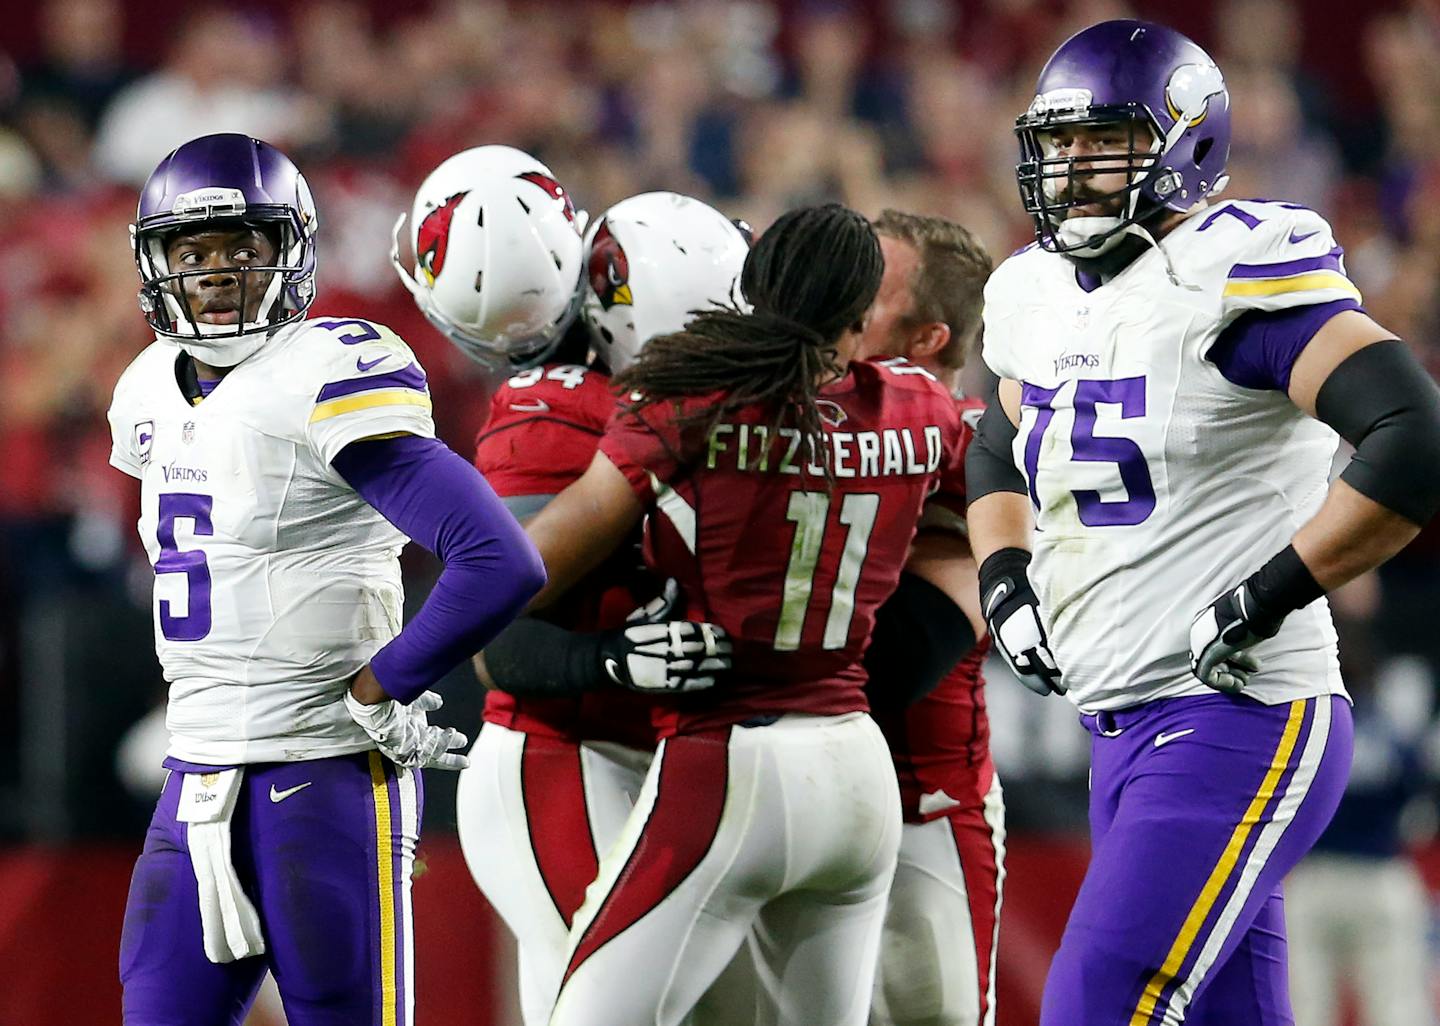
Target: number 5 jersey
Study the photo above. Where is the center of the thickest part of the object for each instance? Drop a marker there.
(1163, 457)
(274, 581)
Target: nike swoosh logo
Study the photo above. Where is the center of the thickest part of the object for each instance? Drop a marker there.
(533, 406)
(610, 667)
(1162, 738)
(280, 796)
(362, 364)
(1301, 238)
(1001, 590)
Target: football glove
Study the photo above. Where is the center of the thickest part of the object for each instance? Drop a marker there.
(404, 734)
(1012, 611)
(1220, 635)
(656, 654)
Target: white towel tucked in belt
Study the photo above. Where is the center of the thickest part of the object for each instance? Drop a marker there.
(227, 918)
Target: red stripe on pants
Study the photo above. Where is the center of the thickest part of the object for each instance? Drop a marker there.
(681, 827)
(975, 845)
(552, 787)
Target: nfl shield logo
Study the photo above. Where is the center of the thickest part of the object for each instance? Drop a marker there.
(187, 433)
(144, 439)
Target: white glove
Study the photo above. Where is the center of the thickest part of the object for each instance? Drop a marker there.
(404, 734)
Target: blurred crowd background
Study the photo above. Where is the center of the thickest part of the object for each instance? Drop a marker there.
(754, 106)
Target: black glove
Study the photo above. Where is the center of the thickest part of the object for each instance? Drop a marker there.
(1220, 635)
(1245, 616)
(1013, 613)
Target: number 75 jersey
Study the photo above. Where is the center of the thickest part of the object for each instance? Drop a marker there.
(1157, 481)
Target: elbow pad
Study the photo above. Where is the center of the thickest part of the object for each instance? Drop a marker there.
(1382, 401)
(919, 636)
(989, 464)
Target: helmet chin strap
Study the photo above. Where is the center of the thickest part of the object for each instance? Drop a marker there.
(1110, 257)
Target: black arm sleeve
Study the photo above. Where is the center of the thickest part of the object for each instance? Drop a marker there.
(536, 659)
(1383, 402)
(989, 465)
(918, 638)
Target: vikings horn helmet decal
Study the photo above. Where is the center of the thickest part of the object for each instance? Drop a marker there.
(609, 269)
(433, 237)
(1146, 82)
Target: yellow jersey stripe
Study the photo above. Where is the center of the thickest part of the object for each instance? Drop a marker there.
(369, 400)
(380, 787)
(1228, 859)
(1292, 283)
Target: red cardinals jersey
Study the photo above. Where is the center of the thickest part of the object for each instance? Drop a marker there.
(941, 743)
(793, 566)
(543, 429)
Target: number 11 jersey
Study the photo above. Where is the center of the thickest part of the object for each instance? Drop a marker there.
(1163, 458)
(793, 566)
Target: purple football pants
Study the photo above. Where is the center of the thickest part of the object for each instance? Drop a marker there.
(1199, 806)
(324, 850)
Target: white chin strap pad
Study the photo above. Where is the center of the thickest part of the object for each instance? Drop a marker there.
(1074, 233)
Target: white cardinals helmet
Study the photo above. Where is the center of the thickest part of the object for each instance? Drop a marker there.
(651, 260)
(498, 255)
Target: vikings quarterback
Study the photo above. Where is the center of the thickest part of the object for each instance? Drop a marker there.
(283, 463)
(1176, 372)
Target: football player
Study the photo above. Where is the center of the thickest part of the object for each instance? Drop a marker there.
(937, 957)
(554, 775)
(282, 463)
(784, 482)
(1176, 371)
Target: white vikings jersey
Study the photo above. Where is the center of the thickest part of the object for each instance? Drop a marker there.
(274, 581)
(1157, 483)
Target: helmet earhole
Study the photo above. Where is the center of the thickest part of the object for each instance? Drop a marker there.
(1202, 148)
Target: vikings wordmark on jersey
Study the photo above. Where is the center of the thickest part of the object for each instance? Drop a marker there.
(1153, 476)
(274, 581)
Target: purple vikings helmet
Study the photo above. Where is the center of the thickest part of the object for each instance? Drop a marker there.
(1135, 75)
(219, 179)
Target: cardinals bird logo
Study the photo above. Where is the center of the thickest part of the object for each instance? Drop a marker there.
(554, 188)
(609, 269)
(433, 238)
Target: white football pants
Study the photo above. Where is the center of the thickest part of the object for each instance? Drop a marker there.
(937, 955)
(791, 829)
(534, 815)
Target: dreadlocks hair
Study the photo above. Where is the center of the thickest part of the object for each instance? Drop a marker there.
(812, 276)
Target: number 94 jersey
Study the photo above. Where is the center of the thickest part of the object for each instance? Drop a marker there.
(1157, 482)
(274, 581)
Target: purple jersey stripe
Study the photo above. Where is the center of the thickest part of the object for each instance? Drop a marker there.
(1329, 262)
(411, 377)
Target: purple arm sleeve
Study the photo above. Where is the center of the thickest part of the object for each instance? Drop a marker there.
(491, 568)
(1259, 349)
